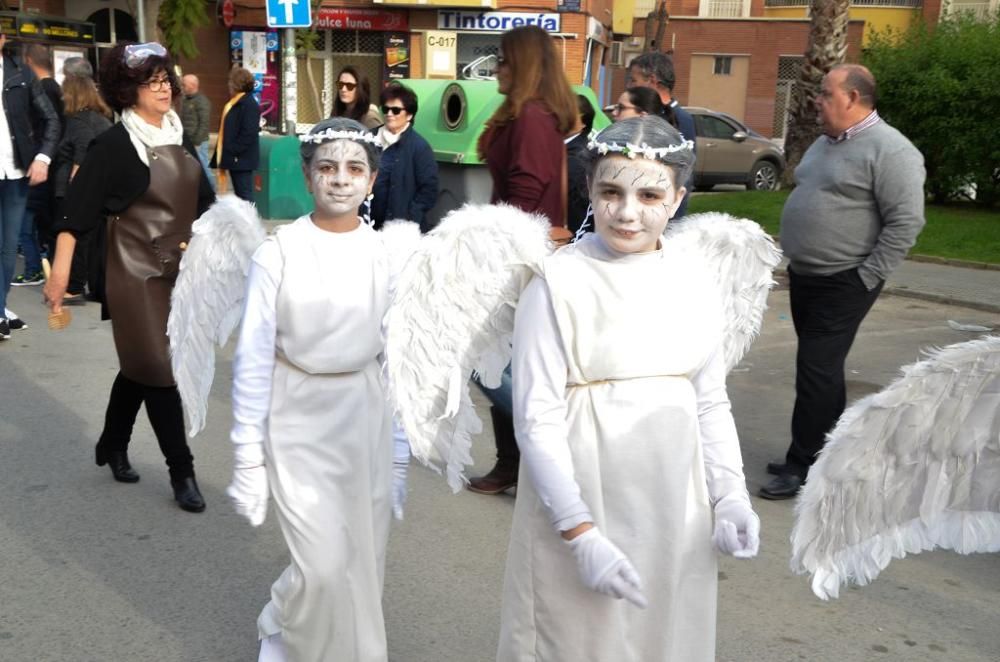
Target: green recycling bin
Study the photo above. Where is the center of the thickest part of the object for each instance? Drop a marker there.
(280, 187)
(452, 115)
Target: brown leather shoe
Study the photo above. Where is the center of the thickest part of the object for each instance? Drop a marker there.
(496, 481)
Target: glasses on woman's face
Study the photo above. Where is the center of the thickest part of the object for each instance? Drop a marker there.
(392, 110)
(620, 108)
(157, 84)
(344, 85)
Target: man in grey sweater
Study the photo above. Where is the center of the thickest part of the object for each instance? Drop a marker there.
(195, 111)
(857, 209)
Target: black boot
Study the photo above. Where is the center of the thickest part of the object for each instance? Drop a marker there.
(187, 494)
(503, 475)
(118, 462)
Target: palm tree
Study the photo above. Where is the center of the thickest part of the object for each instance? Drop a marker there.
(827, 48)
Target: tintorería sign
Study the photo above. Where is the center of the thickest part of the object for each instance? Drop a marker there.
(495, 21)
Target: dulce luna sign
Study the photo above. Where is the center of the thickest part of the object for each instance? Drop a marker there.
(333, 18)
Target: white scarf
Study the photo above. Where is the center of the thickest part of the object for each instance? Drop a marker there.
(387, 138)
(144, 134)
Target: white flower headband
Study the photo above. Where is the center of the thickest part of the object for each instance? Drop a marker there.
(334, 134)
(643, 150)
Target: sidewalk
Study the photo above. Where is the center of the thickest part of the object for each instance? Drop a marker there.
(942, 283)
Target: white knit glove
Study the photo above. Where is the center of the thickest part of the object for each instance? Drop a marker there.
(400, 464)
(248, 491)
(605, 569)
(737, 527)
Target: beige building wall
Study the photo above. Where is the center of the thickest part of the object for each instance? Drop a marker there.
(725, 93)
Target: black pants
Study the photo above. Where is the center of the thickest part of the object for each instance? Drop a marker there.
(163, 406)
(826, 312)
(242, 181)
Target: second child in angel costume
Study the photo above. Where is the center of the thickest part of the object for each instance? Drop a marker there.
(625, 430)
(312, 425)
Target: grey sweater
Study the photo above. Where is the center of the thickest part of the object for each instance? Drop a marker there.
(856, 204)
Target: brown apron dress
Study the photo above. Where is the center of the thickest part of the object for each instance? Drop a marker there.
(143, 257)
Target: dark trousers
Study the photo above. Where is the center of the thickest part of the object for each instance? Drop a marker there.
(826, 312)
(163, 406)
(242, 181)
(502, 415)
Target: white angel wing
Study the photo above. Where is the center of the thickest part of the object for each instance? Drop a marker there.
(207, 300)
(400, 239)
(913, 467)
(453, 315)
(744, 256)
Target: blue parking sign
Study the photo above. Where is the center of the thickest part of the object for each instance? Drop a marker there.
(289, 14)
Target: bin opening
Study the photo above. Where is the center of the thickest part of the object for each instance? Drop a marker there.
(453, 105)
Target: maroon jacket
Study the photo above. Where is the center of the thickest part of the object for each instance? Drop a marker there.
(525, 158)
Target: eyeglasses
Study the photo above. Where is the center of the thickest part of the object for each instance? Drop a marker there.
(157, 84)
(343, 85)
(501, 60)
(137, 54)
(392, 110)
(620, 107)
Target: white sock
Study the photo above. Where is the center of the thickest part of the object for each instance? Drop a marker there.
(10, 314)
(272, 649)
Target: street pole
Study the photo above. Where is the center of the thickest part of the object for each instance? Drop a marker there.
(290, 81)
(141, 16)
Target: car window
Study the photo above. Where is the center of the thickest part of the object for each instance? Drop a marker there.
(713, 127)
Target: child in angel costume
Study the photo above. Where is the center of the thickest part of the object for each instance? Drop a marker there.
(312, 424)
(621, 346)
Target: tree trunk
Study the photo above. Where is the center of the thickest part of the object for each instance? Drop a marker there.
(656, 26)
(827, 48)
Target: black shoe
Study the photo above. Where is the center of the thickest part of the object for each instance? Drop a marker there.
(785, 486)
(118, 462)
(777, 468)
(187, 495)
(4, 328)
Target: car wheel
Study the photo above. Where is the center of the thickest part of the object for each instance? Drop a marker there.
(764, 176)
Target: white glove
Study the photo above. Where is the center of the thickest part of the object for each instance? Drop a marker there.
(248, 491)
(737, 527)
(400, 463)
(605, 569)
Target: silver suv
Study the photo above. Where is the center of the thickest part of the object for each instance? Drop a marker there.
(731, 153)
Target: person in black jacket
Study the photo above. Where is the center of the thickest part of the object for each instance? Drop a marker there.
(578, 197)
(407, 183)
(238, 149)
(24, 160)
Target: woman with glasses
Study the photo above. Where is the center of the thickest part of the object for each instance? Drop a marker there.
(354, 98)
(144, 181)
(407, 183)
(640, 102)
(237, 151)
(524, 150)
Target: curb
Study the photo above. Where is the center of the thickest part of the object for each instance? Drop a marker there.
(902, 291)
(951, 262)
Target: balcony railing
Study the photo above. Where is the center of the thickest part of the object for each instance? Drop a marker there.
(854, 3)
(725, 8)
(981, 11)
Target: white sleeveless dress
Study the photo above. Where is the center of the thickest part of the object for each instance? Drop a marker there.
(632, 330)
(328, 446)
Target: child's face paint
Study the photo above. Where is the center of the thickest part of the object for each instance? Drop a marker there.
(339, 178)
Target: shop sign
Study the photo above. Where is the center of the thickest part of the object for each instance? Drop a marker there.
(568, 5)
(495, 21)
(397, 55)
(227, 12)
(378, 20)
(257, 51)
(54, 29)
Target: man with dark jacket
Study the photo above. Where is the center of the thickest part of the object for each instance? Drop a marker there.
(24, 160)
(195, 111)
(656, 71)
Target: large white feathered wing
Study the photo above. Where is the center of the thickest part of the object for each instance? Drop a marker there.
(207, 300)
(453, 315)
(913, 467)
(744, 257)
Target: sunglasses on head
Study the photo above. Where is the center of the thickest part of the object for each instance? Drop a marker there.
(137, 54)
(343, 85)
(392, 110)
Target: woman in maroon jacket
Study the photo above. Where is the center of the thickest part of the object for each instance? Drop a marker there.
(523, 146)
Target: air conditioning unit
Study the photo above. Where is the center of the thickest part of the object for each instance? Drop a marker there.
(617, 58)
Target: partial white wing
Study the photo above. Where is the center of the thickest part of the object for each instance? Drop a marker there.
(207, 300)
(913, 467)
(743, 256)
(453, 315)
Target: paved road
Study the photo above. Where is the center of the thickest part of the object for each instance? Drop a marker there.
(92, 570)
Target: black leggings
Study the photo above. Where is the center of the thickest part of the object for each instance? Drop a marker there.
(163, 406)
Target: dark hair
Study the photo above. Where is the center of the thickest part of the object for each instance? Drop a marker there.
(653, 131)
(645, 99)
(362, 96)
(586, 113)
(399, 92)
(308, 149)
(859, 79)
(241, 80)
(120, 83)
(40, 56)
(658, 66)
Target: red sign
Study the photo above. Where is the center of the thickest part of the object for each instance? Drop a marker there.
(377, 20)
(227, 12)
